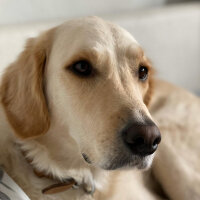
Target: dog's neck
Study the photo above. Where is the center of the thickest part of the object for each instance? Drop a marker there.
(52, 155)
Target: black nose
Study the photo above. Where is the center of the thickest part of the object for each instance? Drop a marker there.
(142, 139)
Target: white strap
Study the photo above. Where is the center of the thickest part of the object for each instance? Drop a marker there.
(9, 190)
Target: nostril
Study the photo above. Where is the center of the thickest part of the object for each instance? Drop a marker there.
(156, 142)
(154, 146)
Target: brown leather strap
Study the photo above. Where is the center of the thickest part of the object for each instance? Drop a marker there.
(60, 187)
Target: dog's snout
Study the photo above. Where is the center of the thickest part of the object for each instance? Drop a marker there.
(142, 139)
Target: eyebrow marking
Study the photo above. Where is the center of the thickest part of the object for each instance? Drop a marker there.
(134, 51)
(96, 57)
(90, 56)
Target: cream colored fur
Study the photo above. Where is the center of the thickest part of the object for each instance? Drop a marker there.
(175, 173)
(85, 116)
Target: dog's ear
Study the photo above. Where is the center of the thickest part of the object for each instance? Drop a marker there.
(22, 90)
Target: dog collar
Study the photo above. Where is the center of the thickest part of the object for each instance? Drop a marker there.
(58, 187)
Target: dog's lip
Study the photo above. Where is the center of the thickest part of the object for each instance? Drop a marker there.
(86, 158)
(128, 162)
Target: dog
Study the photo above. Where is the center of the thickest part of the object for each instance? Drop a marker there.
(74, 114)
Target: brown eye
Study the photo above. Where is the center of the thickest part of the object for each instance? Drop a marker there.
(82, 68)
(143, 73)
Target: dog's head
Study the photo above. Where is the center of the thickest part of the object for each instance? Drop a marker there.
(91, 78)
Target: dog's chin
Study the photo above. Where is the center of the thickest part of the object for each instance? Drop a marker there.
(146, 163)
(138, 162)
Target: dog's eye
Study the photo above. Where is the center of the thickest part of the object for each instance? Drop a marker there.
(82, 68)
(143, 73)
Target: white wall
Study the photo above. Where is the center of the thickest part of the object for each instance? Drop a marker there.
(171, 39)
(19, 11)
(170, 36)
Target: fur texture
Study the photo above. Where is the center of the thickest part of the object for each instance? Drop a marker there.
(55, 116)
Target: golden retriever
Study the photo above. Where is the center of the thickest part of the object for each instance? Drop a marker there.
(74, 108)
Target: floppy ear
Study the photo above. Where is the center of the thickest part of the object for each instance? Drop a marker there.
(22, 92)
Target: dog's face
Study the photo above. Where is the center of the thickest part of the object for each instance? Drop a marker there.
(96, 84)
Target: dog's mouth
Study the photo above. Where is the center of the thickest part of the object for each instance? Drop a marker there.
(124, 162)
(135, 161)
(86, 158)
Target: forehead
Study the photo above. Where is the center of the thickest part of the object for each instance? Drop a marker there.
(93, 35)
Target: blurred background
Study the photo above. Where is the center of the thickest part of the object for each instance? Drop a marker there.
(168, 30)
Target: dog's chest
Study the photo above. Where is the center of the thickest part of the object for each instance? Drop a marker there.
(28, 184)
(10, 190)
